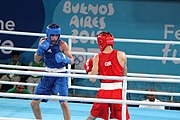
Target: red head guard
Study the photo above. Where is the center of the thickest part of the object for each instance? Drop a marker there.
(104, 39)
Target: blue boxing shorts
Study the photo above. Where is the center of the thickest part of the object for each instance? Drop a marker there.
(52, 85)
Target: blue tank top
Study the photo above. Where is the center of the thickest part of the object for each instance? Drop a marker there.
(49, 57)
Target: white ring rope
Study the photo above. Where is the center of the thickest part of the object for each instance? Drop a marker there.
(132, 102)
(18, 48)
(91, 54)
(152, 75)
(54, 97)
(82, 99)
(153, 93)
(83, 71)
(92, 76)
(91, 38)
(93, 88)
(18, 83)
(20, 72)
(86, 76)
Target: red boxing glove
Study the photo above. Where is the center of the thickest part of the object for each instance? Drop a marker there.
(88, 65)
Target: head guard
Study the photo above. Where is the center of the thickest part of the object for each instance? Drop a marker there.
(53, 29)
(104, 39)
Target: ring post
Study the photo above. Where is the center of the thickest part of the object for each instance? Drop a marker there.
(69, 65)
(124, 92)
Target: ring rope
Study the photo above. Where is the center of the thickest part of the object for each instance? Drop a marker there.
(91, 54)
(18, 48)
(153, 93)
(20, 72)
(111, 78)
(82, 99)
(132, 102)
(83, 71)
(18, 83)
(54, 97)
(93, 88)
(90, 38)
(88, 76)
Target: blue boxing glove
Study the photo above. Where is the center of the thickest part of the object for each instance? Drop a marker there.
(43, 46)
(60, 57)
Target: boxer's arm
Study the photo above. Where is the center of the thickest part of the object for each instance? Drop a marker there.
(122, 61)
(37, 58)
(125, 70)
(125, 65)
(95, 68)
(65, 49)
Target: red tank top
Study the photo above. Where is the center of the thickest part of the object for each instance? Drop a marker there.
(110, 66)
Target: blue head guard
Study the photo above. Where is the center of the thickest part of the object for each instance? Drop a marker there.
(53, 29)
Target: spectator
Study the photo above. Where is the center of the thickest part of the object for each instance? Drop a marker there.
(11, 77)
(152, 98)
(19, 89)
(34, 79)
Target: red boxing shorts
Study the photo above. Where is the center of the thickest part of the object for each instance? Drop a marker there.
(101, 110)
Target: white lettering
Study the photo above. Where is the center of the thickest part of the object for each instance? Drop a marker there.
(85, 9)
(95, 22)
(93, 9)
(111, 9)
(8, 25)
(88, 22)
(102, 23)
(81, 21)
(7, 43)
(171, 30)
(174, 56)
(177, 34)
(75, 9)
(75, 33)
(74, 21)
(87, 19)
(103, 9)
(167, 31)
(166, 50)
(107, 63)
(85, 33)
(67, 7)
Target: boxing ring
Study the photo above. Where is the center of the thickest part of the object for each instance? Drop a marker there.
(20, 109)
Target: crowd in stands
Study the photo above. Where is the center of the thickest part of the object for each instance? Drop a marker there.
(9, 88)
